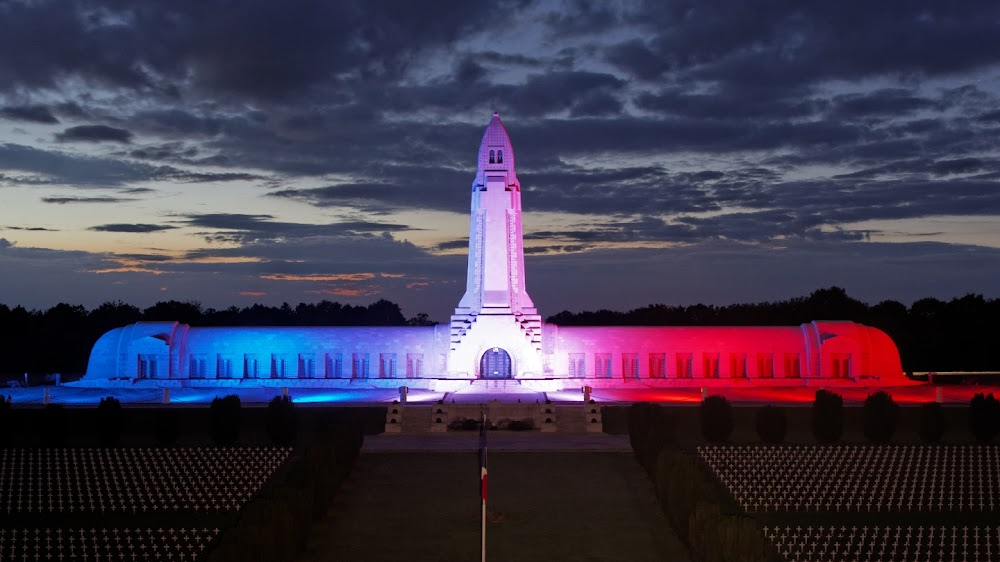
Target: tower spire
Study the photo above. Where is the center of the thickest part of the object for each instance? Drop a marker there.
(496, 311)
(496, 249)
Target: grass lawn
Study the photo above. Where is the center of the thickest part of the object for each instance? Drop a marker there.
(543, 506)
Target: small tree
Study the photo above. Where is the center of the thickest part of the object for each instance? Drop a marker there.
(881, 416)
(772, 424)
(828, 416)
(6, 421)
(282, 421)
(716, 419)
(984, 417)
(165, 428)
(55, 426)
(932, 422)
(225, 420)
(110, 419)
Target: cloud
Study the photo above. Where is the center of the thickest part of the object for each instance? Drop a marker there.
(459, 244)
(131, 228)
(29, 113)
(31, 228)
(775, 47)
(94, 133)
(673, 125)
(57, 167)
(65, 200)
(254, 229)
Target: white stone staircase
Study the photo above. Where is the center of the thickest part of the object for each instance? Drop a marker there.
(529, 324)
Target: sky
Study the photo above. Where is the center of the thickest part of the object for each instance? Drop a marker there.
(677, 152)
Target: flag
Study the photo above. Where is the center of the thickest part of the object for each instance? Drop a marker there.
(482, 458)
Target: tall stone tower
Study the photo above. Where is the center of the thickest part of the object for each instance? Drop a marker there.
(496, 331)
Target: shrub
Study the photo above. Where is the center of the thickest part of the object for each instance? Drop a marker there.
(225, 420)
(932, 422)
(984, 417)
(6, 421)
(639, 418)
(772, 425)
(54, 428)
(282, 421)
(715, 537)
(526, 424)
(828, 416)
(880, 415)
(656, 435)
(716, 419)
(680, 486)
(166, 428)
(110, 419)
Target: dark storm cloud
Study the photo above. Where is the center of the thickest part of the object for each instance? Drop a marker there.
(262, 50)
(31, 228)
(397, 187)
(30, 113)
(246, 229)
(780, 44)
(131, 228)
(710, 272)
(730, 103)
(893, 101)
(716, 126)
(176, 122)
(468, 70)
(94, 133)
(65, 200)
(582, 17)
(173, 151)
(86, 171)
(460, 244)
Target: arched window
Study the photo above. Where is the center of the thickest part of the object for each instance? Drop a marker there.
(499, 157)
(492, 161)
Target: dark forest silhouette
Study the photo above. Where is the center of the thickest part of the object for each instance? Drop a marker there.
(59, 339)
(933, 335)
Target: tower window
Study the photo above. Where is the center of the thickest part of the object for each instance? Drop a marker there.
(492, 157)
(499, 157)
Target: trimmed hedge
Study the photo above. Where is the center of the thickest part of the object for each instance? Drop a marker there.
(881, 416)
(689, 497)
(691, 501)
(651, 429)
(282, 421)
(715, 537)
(984, 417)
(276, 524)
(716, 415)
(828, 416)
(225, 420)
(6, 421)
(110, 419)
(54, 428)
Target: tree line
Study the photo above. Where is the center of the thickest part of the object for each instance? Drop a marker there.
(58, 340)
(932, 335)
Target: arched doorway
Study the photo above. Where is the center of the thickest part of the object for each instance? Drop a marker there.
(495, 364)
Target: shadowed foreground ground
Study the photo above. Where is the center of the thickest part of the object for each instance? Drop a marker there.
(544, 506)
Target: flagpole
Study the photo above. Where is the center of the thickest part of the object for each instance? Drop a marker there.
(482, 483)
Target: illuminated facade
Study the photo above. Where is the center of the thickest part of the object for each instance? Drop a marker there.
(495, 333)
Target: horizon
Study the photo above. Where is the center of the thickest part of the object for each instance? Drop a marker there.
(211, 309)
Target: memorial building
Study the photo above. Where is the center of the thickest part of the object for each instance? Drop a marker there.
(494, 333)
